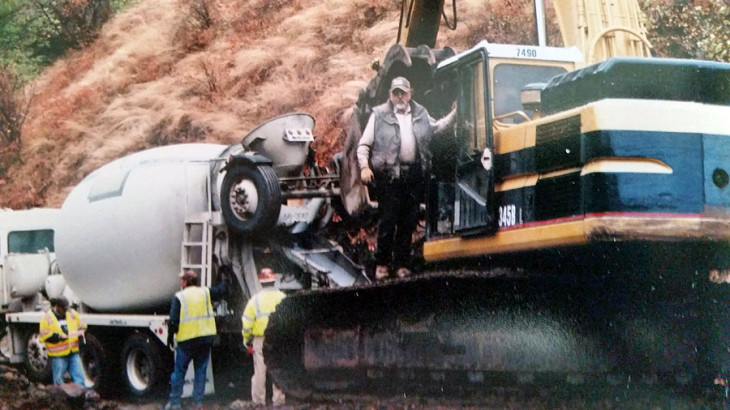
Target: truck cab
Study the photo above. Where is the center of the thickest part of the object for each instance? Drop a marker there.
(26, 255)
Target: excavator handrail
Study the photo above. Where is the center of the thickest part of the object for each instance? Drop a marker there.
(499, 124)
(446, 20)
(600, 36)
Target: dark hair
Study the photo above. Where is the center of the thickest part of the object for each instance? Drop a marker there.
(60, 301)
(191, 277)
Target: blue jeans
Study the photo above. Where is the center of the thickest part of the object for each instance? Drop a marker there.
(72, 363)
(199, 355)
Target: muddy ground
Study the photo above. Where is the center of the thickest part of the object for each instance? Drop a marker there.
(17, 392)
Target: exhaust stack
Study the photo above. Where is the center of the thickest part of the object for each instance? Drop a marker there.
(540, 23)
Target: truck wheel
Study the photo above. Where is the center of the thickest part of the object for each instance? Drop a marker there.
(250, 198)
(142, 362)
(37, 363)
(94, 359)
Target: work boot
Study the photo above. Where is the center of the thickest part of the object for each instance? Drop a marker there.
(403, 273)
(381, 272)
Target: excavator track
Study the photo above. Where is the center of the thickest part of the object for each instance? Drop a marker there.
(456, 333)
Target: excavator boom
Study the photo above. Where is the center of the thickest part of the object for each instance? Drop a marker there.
(600, 29)
(603, 29)
(419, 22)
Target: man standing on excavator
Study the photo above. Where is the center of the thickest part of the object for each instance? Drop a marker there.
(255, 320)
(394, 151)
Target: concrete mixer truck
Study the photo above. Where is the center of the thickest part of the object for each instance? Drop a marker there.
(123, 234)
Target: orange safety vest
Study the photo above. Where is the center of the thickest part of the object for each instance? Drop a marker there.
(50, 326)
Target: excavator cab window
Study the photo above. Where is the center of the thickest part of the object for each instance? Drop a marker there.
(509, 79)
(472, 113)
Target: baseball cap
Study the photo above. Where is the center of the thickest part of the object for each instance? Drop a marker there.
(400, 83)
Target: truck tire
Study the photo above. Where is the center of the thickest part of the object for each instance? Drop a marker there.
(37, 364)
(143, 365)
(250, 198)
(94, 360)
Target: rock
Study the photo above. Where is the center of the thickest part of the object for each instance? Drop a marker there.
(91, 399)
(241, 404)
(72, 390)
(70, 394)
(37, 392)
(40, 396)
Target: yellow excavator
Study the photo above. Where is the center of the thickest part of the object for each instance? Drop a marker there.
(576, 225)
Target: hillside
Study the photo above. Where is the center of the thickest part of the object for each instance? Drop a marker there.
(171, 71)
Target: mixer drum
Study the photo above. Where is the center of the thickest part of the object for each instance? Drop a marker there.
(118, 240)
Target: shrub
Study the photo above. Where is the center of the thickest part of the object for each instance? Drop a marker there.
(67, 24)
(196, 30)
(14, 105)
(690, 29)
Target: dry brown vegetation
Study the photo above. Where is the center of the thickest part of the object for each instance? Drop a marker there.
(172, 71)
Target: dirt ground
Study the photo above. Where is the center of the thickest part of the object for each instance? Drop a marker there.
(17, 392)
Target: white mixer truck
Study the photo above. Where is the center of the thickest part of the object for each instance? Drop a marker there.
(125, 232)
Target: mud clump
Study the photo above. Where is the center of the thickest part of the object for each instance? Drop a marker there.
(17, 392)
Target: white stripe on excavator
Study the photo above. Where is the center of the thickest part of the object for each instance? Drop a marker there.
(658, 116)
(603, 165)
(625, 115)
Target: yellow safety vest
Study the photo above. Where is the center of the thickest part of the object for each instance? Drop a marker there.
(196, 313)
(256, 314)
(49, 325)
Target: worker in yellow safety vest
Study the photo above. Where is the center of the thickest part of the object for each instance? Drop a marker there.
(60, 329)
(255, 319)
(192, 322)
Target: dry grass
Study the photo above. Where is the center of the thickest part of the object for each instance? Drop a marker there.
(161, 73)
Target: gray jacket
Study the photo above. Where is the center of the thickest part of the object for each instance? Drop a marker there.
(386, 145)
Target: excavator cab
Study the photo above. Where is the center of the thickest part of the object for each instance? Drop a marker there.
(487, 82)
